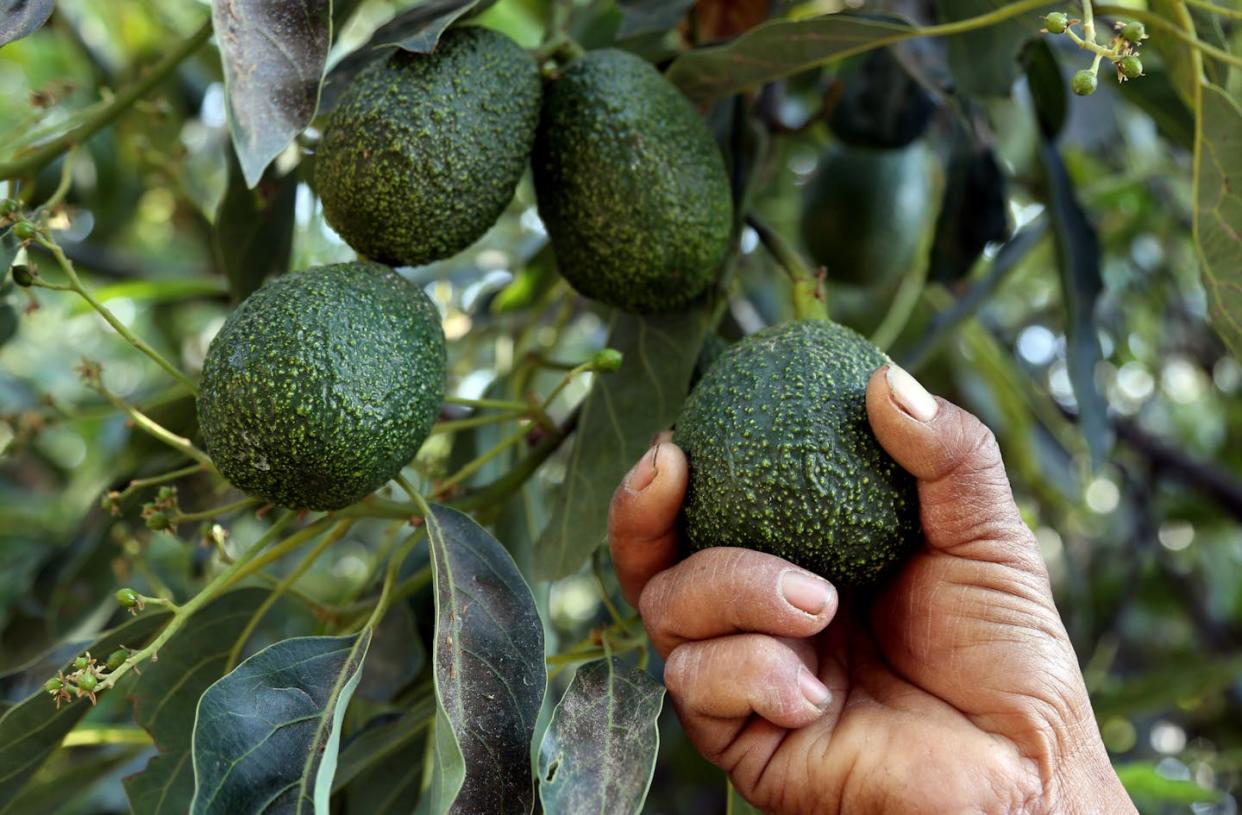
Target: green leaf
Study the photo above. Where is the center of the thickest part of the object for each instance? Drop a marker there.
(620, 416)
(1164, 688)
(21, 18)
(599, 752)
(779, 48)
(33, 728)
(55, 791)
(1149, 788)
(530, 283)
(273, 53)
(1218, 211)
(395, 658)
(253, 233)
(266, 735)
(490, 675)
(984, 62)
(416, 30)
(381, 737)
(1047, 87)
(1177, 56)
(167, 693)
(381, 769)
(649, 16)
(1078, 260)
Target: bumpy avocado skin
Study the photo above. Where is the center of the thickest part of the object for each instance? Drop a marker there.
(630, 184)
(865, 210)
(425, 150)
(782, 459)
(322, 385)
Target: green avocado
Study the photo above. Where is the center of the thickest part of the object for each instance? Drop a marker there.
(864, 212)
(782, 459)
(322, 385)
(631, 185)
(425, 150)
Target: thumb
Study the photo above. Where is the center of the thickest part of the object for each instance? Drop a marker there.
(965, 501)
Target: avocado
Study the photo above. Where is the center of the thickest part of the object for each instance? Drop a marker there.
(630, 184)
(322, 385)
(425, 150)
(864, 212)
(782, 459)
(881, 105)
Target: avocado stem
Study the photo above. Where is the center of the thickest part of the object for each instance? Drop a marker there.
(810, 301)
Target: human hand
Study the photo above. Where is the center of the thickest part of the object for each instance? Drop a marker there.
(954, 690)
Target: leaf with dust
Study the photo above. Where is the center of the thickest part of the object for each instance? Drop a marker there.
(273, 53)
(21, 18)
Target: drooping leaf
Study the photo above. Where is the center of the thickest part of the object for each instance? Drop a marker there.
(33, 728)
(167, 693)
(21, 18)
(489, 672)
(1078, 261)
(779, 48)
(620, 416)
(416, 30)
(648, 16)
(273, 53)
(253, 233)
(1047, 86)
(974, 212)
(1218, 212)
(1149, 788)
(984, 62)
(266, 735)
(599, 752)
(57, 787)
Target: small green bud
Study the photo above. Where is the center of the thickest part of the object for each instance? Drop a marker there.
(1134, 32)
(166, 493)
(158, 521)
(116, 659)
(24, 230)
(1130, 67)
(53, 685)
(88, 682)
(1084, 82)
(21, 275)
(127, 597)
(82, 662)
(1056, 23)
(607, 360)
(7, 207)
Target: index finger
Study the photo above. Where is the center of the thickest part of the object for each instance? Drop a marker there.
(642, 519)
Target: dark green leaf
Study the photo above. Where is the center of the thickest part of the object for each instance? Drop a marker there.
(54, 791)
(530, 283)
(984, 61)
(648, 16)
(489, 672)
(1078, 260)
(975, 210)
(381, 770)
(779, 48)
(1218, 212)
(396, 656)
(273, 53)
(1149, 788)
(266, 735)
(599, 752)
(254, 229)
(167, 693)
(620, 416)
(381, 737)
(32, 729)
(8, 322)
(416, 30)
(1043, 76)
(21, 18)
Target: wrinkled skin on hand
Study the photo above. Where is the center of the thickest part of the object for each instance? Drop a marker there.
(954, 690)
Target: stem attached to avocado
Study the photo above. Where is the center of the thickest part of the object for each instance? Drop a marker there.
(810, 301)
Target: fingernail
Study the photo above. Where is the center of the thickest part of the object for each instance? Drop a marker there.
(815, 691)
(910, 396)
(804, 592)
(644, 471)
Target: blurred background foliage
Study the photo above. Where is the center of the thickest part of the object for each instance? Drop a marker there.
(1144, 545)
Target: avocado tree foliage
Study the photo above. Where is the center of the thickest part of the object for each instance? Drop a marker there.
(922, 171)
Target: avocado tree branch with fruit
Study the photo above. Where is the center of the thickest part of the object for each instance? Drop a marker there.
(315, 516)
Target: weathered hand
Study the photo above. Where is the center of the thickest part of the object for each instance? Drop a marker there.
(955, 691)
